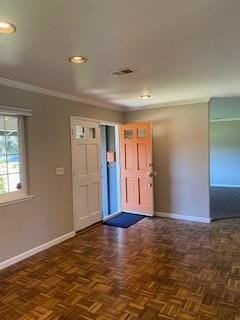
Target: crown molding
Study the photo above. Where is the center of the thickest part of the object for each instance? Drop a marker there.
(57, 94)
(66, 96)
(168, 104)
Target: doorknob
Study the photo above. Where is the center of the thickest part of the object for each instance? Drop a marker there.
(150, 174)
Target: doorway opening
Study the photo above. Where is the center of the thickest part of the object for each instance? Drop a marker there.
(99, 191)
(224, 158)
(110, 170)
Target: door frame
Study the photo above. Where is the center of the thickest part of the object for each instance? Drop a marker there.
(118, 162)
(100, 122)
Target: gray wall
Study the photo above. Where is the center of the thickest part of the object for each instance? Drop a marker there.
(49, 215)
(181, 157)
(225, 153)
(222, 108)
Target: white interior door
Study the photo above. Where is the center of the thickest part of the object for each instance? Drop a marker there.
(86, 172)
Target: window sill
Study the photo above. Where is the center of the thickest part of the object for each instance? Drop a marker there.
(14, 200)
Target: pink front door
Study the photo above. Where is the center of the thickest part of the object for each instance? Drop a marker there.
(137, 168)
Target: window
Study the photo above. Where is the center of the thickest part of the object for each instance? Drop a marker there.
(142, 133)
(128, 134)
(80, 132)
(92, 133)
(12, 158)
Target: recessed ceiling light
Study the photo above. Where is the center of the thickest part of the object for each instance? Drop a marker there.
(146, 96)
(78, 59)
(7, 27)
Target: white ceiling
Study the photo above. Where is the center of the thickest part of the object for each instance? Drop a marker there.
(182, 49)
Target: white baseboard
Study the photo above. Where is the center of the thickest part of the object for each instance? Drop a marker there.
(225, 185)
(31, 252)
(182, 217)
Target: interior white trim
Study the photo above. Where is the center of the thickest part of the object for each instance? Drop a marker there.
(182, 217)
(99, 121)
(19, 198)
(225, 185)
(118, 162)
(31, 252)
(72, 118)
(15, 111)
(168, 104)
(225, 119)
(58, 94)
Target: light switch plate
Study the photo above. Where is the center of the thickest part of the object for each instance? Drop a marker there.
(60, 171)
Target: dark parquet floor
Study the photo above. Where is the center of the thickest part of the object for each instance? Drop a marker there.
(158, 269)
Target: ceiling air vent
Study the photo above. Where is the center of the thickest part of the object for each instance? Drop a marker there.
(122, 72)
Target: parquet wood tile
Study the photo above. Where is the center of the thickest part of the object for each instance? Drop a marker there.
(158, 269)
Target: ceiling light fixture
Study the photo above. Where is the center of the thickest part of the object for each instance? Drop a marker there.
(146, 96)
(7, 27)
(78, 59)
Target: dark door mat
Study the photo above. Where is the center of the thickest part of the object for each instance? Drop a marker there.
(124, 220)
